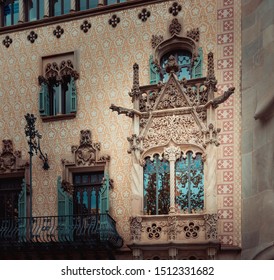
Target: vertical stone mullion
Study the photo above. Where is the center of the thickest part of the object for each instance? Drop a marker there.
(21, 11)
(72, 5)
(172, 154)
(46, 8)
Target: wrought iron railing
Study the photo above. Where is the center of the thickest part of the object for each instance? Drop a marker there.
(92, 229)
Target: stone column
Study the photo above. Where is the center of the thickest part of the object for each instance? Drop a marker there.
(46, 8)
(21, 11)
(171, 154)
(72, 5)
(101, 3)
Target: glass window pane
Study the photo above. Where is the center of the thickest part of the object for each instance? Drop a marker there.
(66, 6)
(93, 3)
(36, 10)
(16, 12)
(7, 15)
(109, 2)
(156, 186)
(190, 183)
(57, 8)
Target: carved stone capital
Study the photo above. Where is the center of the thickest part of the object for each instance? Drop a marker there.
(172, 153)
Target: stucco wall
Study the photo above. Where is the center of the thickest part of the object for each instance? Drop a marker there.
(258, 135)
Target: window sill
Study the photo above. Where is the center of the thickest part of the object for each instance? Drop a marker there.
(58, 117)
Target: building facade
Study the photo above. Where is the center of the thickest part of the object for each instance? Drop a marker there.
(162, 179)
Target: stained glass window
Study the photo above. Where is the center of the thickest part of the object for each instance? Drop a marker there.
(190, 183)
(156, 186)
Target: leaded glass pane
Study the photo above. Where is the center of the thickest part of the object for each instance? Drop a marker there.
(156, 186)
(190, 183)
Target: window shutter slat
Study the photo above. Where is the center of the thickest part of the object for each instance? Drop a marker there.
(22, 212)
(44, 100)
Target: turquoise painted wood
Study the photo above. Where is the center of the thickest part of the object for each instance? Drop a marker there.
(154, 74)
(104, 209)
(197, 71)
(71, 101)
(22, 212)
(65, 212)
(44, 100)
(104, 197)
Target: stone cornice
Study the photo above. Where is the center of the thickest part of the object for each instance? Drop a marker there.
(76, 15)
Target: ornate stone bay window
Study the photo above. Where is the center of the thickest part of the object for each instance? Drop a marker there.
(174, 153)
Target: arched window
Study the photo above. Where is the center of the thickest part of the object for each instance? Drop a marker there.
(156, 186)
(190, 183)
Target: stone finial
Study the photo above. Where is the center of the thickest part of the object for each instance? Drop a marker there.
(175, 27)
(135, 92)
(211, 81)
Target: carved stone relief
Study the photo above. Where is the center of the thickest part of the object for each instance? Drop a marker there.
(211, 226)
(9, 159)
(181, 129)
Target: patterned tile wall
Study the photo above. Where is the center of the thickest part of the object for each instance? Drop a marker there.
(106, 55)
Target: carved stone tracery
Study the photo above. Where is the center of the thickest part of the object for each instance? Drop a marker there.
(54, 73)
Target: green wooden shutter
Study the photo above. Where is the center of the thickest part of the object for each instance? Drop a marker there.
(65, 212)
(104, 197)
(44, 100)
(71, 98)
(22, 212)
(154, 74)
(104, 209)
(197, 71)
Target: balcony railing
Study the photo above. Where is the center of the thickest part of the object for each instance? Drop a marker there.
(90, 229)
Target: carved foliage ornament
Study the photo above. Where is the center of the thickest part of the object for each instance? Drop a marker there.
(8, 157)
(55, 73)
(175, 27)
(87, 153)
(156, 40)
(211, 226)
(135, 228)
(181, 129)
